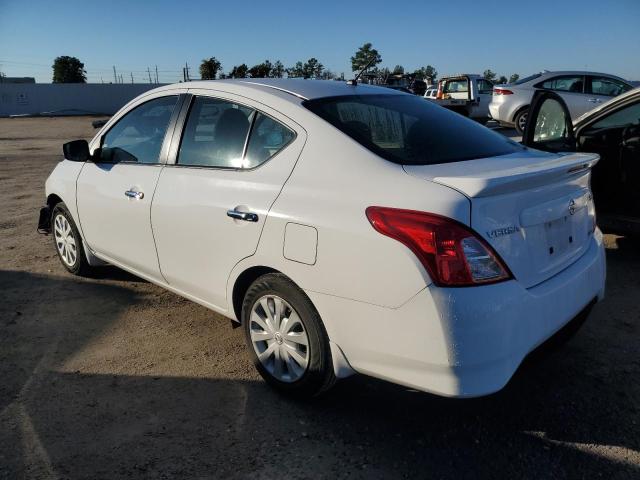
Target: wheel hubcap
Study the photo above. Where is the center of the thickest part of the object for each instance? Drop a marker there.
(523, 121)
(279, 338)
(65, 241)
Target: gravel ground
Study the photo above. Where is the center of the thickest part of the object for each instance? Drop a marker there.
(112, 377)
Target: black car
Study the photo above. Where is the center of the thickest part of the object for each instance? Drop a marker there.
(611, 130)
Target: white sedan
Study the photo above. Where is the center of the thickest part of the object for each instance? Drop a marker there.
(347, 228)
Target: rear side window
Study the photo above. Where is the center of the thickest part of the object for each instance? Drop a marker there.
(606, 86)
(267, 138)
(567, 83)
(215, 134)
(408, 130)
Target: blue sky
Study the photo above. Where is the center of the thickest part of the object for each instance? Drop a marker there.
(454, 36)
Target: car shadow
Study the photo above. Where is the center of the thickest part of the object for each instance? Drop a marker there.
(65, 424)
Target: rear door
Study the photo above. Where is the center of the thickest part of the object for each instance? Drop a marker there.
(114, 192)
(571, 88)
(226, 169)
(484, 90)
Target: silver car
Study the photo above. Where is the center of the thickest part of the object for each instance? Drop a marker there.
(581, 92)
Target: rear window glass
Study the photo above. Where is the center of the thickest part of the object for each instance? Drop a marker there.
(456, 86)
(408, 130)
(527, 79)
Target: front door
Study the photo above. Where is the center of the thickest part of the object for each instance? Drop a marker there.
(210, 206)
(114, 192)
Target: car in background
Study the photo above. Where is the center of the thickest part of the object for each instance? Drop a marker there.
(580, 91)
(431, 93)
(466, 94)
(612, 130)
(347, 228)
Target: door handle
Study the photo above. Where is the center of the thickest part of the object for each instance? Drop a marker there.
(594, 100)
(134, 194)
(246, 216)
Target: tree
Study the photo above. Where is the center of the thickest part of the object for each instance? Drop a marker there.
(364, 54)
(262, 70)
(312, 68)
(398, 70)
(296, 71)
(514, 78)
(426, 73)
(277, 69)
(239, 71)
(68, 70)
(209, 68)
(503, 79)
(328, 75)
(489, 75)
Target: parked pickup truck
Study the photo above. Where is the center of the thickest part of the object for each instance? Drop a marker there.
(467, 94)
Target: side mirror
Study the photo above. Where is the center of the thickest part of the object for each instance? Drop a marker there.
(76, 151)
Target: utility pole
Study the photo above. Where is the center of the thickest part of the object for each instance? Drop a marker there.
(115, 77)
(186, 69)
(157, 74)
(184, 74)
(131, 77)
(149, 73)
(121, 79)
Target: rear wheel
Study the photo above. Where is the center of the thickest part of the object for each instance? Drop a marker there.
(68, 242)
(521, 120)
(286, 338)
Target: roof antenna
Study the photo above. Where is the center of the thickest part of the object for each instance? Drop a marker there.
(354, 82)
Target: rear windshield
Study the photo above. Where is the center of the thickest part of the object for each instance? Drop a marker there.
(527, 79)
(409, 130)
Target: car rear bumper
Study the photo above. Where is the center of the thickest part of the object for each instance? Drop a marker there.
(462, 342)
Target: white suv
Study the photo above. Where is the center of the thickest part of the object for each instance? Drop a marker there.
(581, 91)
(347, 228)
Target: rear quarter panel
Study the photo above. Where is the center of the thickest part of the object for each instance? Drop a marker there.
(333, 183)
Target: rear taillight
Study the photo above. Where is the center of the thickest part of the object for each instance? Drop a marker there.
(453, 255)
(502, 91)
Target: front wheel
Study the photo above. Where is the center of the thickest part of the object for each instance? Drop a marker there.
(286, 338)
(521, 120)
(68, 242)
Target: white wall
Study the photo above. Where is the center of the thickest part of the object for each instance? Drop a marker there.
(67, 98)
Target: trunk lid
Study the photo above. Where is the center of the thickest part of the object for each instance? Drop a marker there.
(535, 209)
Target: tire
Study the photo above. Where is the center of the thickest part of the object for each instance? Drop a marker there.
(68, 242)
(276, 342)
(520, 120)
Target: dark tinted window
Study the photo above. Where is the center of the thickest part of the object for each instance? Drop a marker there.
(606, 86)
(267, 138)
(626, 116)
(408, 130)
(567, 83)
(485, 86)
(215, 134)
(138, 136)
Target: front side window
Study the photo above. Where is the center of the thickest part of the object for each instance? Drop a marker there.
(567, 83)
(551, 124)
(215, 134)
(485, 86)
(606, 86)
(629, 115)
(407, 130)
(137, 137)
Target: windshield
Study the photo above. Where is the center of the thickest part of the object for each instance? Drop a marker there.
(408, 130)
